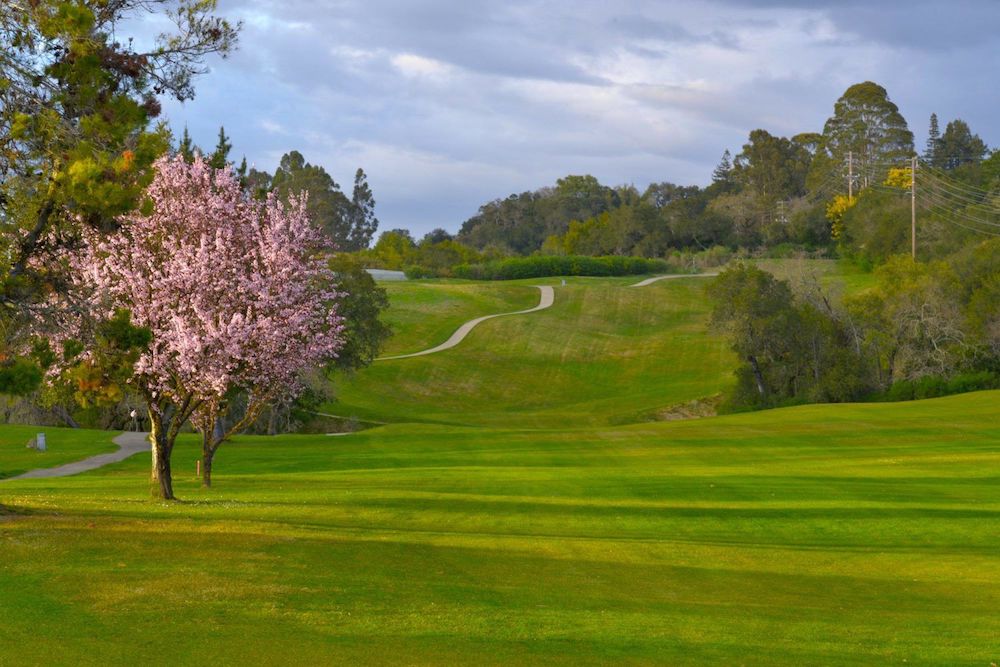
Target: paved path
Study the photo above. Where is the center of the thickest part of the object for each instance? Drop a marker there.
(128, 444)
(547, 298)
(650, 281)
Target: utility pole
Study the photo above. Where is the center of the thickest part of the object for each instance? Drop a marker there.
(913, 207)
(850, 175)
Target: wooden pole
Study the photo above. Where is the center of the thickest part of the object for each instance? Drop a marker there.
(197, 468)
(913, 207)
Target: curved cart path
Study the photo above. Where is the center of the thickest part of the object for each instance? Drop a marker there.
(547, 298)
(128, 444)
(650, 281)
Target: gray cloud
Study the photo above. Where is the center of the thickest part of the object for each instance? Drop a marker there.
(448, 104)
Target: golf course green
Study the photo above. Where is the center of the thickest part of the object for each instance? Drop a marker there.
(524, 505)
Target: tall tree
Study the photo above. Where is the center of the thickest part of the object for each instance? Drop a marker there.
(220, 156)
(76, 148)
(234, 292)
(724, 170)
(185, 147)
(866, 124)
(933, 140)
(958, 146)
(772, 167)
(363, 223)
(329, 208)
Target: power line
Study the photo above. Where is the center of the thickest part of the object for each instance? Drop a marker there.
(943, 215)
(944, 203)
(954, 182)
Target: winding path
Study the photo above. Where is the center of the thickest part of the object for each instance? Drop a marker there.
(673, 276)
(546, 299)
(128, 444)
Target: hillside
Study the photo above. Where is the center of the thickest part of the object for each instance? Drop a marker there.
(603, 353)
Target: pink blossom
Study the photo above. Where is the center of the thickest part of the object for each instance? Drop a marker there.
(236, 292)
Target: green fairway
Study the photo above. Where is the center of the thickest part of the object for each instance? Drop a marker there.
(424, 314)
(524, 506)
(605, 353)
(817, 535)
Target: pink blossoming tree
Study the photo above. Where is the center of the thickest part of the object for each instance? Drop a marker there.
(235, 292)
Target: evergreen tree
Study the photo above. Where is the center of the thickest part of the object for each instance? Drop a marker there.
(363, 220)
(241, 172)
(724, 171)
(867, 124)
(186, 147)
(220, 156)
(933, 141)
(958, 146)
(328, 207)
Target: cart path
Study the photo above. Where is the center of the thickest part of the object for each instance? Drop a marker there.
(650, 281)
(128, 444)
(546, 299)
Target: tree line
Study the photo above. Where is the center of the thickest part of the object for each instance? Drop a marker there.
(823, 192)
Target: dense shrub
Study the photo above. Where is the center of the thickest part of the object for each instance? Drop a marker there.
(541, 266)
(935, 386)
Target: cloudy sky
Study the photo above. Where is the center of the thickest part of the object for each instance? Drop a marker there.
(448, 104)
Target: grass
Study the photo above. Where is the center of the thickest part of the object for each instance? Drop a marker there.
(62, 446)
(425, 313)
(521, 511)
(829, 535)
(603, 354)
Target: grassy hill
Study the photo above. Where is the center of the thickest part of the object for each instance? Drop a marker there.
(522, 509)
(604, 353)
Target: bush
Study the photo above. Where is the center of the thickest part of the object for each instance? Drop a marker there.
(540, 266)
(415, 272)
(934, 386)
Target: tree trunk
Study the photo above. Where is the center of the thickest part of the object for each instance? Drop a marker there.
(161, 483)
(66, 417)
(272, 420)
(757, 376)
(208, 448)
(206, 469)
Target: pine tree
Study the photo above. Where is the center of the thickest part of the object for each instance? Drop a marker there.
(186, 147)
(363, 223)
(220, 156)
(724, 171)
(241, 171)
(933, 140)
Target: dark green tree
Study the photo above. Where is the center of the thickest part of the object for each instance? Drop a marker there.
(361, 217)
(723, 172)
(772, 168)
(866, 124)
(328, 207)
(932, 147)
(958, 146)
(220, 156)
(436, 236)
(186, 147)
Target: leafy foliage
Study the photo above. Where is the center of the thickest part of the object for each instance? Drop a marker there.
(540, 266)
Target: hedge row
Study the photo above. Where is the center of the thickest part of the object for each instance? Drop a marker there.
(542, 266)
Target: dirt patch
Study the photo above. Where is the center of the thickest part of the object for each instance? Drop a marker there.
(696, 409)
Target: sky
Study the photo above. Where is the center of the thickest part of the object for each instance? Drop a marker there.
(449, 104)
